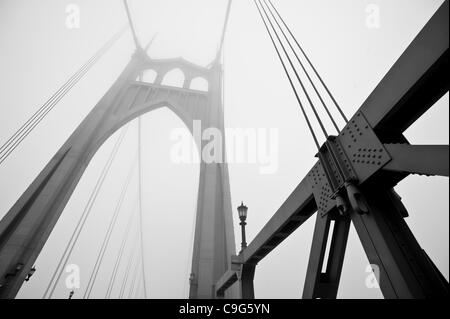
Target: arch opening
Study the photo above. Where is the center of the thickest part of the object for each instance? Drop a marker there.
(174, 78)
(148, 76)
(199, 84)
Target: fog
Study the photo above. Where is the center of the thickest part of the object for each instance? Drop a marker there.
(39, 53)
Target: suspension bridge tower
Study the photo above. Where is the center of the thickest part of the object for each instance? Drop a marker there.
(26, 227)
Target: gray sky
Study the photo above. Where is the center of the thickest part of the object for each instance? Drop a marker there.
(39, 53)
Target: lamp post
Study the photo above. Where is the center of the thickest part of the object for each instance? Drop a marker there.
(242, 211)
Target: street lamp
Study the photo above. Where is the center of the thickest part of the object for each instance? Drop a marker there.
(242, 211)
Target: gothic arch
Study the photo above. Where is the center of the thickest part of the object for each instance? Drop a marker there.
(200, 84)
(141, 110)
(148, 76)
(174, 78)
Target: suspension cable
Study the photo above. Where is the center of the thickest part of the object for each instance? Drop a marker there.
(149, 44)
(138, 287)
(303, 68)
(135, 275)
(310, 63)
(296, 73)
(141, 226)
(36, 119)
(191, 247)
(81, 222)
(224, 30)
(120, 253)
(289, 78)
(111, 226)
(130, 21)
(127, 272)
(16, 139)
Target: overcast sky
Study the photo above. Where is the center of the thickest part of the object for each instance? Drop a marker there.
(39, 53)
